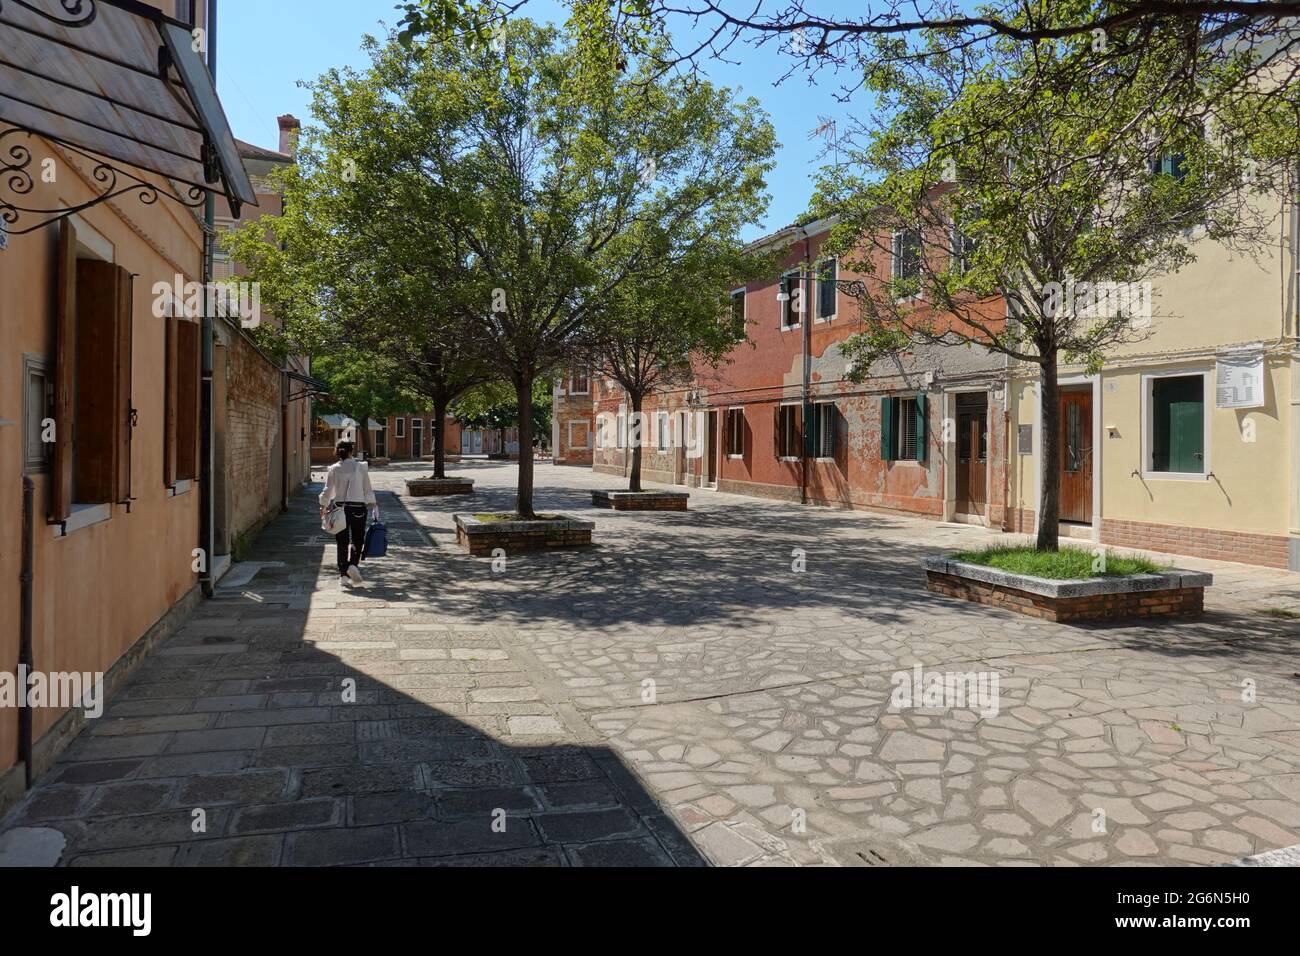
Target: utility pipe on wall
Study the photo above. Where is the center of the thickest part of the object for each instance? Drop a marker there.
(25, 661)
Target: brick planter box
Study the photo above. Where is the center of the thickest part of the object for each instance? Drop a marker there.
(378, 462)
(1172, 593)
(641, 500)
(423, 487)
(481, 538)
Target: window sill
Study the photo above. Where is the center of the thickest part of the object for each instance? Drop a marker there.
(83, 516)
(790, 328)
(735, 457)
(1175, 476)
(829, 458)
(788, 458)
(829, 318)
(181, 487)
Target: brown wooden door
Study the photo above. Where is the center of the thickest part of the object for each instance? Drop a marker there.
(1076, 456)
(972, 462)
(711, 450)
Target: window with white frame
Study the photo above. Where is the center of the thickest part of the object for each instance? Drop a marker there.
(401, 427)
(661, 431)
(907, 256)
(789, 431)
(579, 435)
(738, 308)
(579, 382)
(736, 432)
(791, 297)
(827, 274)
(1176, 424)
(825, 424)
(37, 394)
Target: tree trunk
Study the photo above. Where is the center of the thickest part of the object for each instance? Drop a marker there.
(363, 436)
(1049, 463)
(439, 427)
(634, 479)
(524, 400)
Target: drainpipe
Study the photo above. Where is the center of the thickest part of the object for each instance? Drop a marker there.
(806, 346)
(206, 463)
(25, 736)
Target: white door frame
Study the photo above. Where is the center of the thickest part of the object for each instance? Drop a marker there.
(950, 452)
(1062, 382)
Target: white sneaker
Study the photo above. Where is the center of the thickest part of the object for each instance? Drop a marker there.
(344, 581)
(354, 574)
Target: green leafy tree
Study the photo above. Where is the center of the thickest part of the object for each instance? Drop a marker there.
(655, 330)
(959, 222)
(493, 406)
(360, 387)
(532, 194)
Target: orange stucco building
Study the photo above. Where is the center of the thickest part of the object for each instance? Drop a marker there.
(104, 384)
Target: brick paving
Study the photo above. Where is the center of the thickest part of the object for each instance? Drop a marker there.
(676, 694)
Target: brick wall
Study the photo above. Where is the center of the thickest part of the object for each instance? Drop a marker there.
(254, 476)
(575, 416)
(1173, 602)
(1268, 550)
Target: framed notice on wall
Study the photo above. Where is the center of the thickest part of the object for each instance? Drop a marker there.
(1239, 379)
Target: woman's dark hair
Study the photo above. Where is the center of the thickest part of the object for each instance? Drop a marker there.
(343, 450)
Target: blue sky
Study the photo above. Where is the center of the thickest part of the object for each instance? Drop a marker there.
(264, 49)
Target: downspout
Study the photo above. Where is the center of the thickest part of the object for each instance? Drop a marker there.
(206, 465)
(25, 735)
(284, 441)
(806, 346)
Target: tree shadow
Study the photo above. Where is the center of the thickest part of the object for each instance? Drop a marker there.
(311, 734)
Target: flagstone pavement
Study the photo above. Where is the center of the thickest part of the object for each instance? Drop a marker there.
(678, 694)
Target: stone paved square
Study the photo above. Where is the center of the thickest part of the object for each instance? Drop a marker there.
(674, 695)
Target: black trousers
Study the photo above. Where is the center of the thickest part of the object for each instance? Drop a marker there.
(354, 533)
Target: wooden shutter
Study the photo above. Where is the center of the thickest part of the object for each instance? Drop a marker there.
(122, 410)
(97, 381)
(888, 428)
(920, 428)
(187, 400)
(171, 368)
(65, 372)
(826, 290)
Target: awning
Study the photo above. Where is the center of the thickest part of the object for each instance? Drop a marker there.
(122, 82)
(343, 421)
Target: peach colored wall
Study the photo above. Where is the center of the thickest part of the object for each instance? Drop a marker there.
(99, 589)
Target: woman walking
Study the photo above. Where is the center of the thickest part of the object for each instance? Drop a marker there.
(348, 485)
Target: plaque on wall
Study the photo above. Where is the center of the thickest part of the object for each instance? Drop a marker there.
(1026, 439)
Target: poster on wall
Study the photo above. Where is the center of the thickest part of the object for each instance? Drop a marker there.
(1239, 379)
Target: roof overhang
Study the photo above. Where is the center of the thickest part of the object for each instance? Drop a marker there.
(124, 86)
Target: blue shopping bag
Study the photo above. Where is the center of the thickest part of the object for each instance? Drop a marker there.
(376, 544)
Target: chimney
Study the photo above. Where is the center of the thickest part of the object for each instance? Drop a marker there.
(289, 127)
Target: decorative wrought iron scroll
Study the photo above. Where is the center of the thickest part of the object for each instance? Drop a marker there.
(80, 13)
(112, 183)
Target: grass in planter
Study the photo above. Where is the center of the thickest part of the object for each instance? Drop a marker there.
(1064, 564)
(514, 516)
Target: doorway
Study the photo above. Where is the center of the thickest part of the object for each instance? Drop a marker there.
(417, 438)
(972, 453)
(1076, 455)
(711, 451)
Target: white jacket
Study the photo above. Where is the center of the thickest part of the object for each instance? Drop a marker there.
(347, 480)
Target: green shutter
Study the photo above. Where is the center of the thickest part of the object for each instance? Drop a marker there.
(1178, 426)
(888, 428)
(920, 428)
